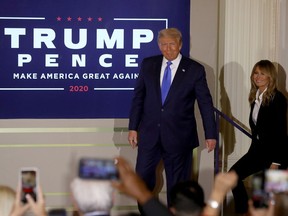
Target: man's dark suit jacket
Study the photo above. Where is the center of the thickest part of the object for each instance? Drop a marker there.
(174, 121)
(269, 135)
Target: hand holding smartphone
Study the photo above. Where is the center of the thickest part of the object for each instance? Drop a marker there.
(29, 178)
(266, 184)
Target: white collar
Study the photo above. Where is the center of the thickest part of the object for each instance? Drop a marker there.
(261, 95)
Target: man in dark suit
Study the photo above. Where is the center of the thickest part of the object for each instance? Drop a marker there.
(163, 126)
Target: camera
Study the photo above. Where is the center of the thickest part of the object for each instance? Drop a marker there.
(29, 178)
(95, 168)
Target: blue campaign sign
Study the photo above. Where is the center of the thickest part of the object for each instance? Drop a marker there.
(79, 59)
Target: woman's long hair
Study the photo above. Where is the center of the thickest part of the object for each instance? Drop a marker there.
(268, 68)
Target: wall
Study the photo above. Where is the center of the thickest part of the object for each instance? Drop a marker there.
(204, 49)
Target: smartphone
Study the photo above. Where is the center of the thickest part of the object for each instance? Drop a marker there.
(259, 197)
(29, 178)
(266, 184)
(95, 168)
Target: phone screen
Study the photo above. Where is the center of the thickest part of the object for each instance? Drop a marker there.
(91, 168)
(276, 181)
(28, 178)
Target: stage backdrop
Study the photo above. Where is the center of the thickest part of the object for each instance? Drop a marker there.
(79, 59)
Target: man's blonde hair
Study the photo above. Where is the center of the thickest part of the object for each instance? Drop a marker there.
(170, 32)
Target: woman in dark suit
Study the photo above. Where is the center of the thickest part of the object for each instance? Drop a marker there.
(268, 124)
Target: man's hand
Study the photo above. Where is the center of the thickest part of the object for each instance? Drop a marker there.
(130, 183)
(225, 182)
(210, 144)
(132, 138)
(222, 184)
